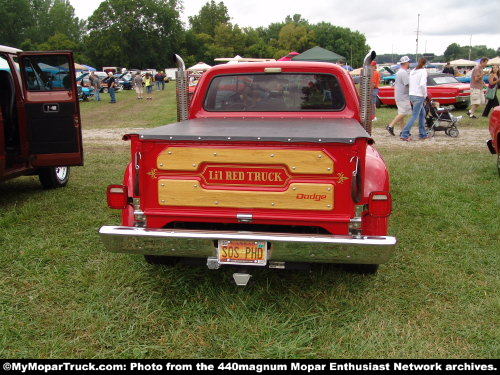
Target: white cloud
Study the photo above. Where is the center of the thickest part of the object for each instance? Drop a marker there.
(389, 26)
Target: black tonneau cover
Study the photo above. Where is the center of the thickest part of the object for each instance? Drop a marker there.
(255, 129)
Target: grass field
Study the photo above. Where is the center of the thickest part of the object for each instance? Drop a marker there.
(62, 295)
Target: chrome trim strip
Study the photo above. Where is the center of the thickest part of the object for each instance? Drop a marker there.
(292, 247)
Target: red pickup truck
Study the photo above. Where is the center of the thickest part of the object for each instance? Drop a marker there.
(271, 165)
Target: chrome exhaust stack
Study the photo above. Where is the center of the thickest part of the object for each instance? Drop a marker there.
(182, 89)
(365, 92)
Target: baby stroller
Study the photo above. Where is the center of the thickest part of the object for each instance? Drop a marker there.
(440, 119)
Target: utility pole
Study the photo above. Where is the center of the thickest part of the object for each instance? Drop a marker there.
(470, 45)
(418, 31)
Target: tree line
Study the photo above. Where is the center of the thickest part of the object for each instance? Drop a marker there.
(145, 33)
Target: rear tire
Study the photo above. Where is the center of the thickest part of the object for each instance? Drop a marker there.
(362, 269)
(104, 90)
(54, 177)
(159, 260)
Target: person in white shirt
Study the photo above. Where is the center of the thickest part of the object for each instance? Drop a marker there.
(401, 94)
(418, 94)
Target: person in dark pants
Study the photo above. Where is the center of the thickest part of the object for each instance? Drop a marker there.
(493, 83)
(448, 69)
(112, 87)
(158, 80)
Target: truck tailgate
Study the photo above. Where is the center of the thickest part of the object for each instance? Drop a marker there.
(253, 171)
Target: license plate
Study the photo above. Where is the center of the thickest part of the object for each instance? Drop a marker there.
(253, 253)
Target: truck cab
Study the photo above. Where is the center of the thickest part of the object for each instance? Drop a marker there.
(269, 166)
(40, 132)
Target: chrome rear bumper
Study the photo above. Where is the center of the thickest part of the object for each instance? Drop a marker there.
(283, 247)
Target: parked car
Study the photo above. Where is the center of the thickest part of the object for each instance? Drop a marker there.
(443, 88)
(124, 81)
(271, 165)
(40, 125)
(85, 91)
(466, 79)
(494, 142)
(390, 78)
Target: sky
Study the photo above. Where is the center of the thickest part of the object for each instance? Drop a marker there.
(389, 26)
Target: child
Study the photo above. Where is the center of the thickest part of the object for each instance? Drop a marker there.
(148, 82)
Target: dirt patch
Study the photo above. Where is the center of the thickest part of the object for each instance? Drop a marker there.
(469, 138)
(107, 136)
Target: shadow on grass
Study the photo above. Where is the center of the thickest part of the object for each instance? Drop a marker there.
(185, 282)
(20, 190)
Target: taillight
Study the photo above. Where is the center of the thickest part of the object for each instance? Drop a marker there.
(380, 204)
(117, 196)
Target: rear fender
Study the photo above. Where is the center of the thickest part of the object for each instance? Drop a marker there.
(128, 181)
(376, 179)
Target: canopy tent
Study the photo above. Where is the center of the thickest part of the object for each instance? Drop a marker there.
(356, 72)
(89, 68)
(52, 69)
(79, 67)
(319, 54)
(494, 61)
(289, 56)
(462, 62)
(237, 59)
(201, 66)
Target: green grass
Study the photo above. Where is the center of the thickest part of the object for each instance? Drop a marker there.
(63, 295)
(129, 112)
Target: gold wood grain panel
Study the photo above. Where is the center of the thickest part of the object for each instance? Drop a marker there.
(298, 161)
(299, 196)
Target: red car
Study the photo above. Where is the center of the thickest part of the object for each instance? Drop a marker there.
(494, 142)
(442, 88)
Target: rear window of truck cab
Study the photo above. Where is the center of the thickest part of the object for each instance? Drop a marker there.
(280, 92)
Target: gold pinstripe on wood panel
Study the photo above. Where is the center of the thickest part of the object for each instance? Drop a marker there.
(299, 196)
(298, 161)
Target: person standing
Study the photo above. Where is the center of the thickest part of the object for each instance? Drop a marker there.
(112, 87)
(418, 93)
(137, 82)
(375, 86)
(158, 80)
(491, 95)
(148, 82)
(95, 83)
(163, 77)
(477, 85)
(401, 93)
(448, 69)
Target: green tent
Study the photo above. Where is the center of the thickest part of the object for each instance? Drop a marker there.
(319, 54)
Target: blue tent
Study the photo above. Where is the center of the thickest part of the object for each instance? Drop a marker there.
(89, 68)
